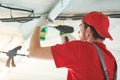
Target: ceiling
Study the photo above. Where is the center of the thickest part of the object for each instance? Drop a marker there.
(21, 11)
(74, 8)
(17, 16)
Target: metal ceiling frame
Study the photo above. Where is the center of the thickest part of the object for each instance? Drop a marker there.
(57, 9)
(52, 15)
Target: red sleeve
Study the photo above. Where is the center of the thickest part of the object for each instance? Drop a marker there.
(64, 54)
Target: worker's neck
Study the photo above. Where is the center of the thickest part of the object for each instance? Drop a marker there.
(95, 40)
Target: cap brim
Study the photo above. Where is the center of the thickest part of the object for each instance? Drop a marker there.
(107, 35)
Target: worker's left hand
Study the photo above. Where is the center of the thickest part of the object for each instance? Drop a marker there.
(44, 21)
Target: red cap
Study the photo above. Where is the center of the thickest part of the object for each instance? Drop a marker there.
(100, 22)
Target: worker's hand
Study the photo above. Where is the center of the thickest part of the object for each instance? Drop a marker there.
(44, 21)
(67, 37)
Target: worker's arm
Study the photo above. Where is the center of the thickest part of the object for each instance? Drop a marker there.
(35, 47)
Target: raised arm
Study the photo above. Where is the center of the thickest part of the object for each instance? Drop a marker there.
(35, 47)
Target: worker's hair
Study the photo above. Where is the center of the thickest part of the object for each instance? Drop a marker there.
(95, 34)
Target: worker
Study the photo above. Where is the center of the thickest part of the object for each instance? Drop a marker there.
(80, 57)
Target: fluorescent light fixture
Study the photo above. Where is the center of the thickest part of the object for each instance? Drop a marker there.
(58, 9)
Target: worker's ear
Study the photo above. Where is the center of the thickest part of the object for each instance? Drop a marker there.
(88, 31)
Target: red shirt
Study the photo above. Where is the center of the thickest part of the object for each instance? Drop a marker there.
(82, 61)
